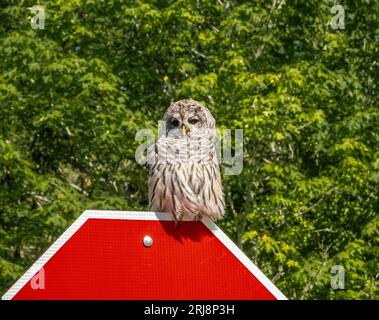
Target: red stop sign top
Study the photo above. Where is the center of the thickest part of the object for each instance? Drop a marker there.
(103, 256)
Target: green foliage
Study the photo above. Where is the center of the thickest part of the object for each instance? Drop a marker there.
(73, 96)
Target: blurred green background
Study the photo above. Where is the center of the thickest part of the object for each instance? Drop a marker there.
(73, 96)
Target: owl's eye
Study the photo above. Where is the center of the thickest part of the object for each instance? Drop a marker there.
(193, 121)
(175, 122)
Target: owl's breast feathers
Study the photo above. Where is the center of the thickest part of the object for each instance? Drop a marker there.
(184, 178)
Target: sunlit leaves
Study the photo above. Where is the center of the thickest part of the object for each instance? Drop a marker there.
(73, 95)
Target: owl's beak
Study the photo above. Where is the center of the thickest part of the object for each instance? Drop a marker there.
(184, 130)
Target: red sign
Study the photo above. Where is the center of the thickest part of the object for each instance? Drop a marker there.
(143, 255)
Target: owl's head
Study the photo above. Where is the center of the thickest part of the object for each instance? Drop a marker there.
(188, 118)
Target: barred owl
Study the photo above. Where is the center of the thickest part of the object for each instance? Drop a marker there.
(184, 175)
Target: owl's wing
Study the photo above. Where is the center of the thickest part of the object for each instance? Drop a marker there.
(211, 199)
(202, 184)
(151, 158)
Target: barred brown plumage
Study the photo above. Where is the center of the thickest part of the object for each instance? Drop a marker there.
(184, 175)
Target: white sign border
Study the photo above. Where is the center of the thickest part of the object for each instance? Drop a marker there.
(138, 215)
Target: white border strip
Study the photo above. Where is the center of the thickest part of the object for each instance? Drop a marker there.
(243, 258)
(45, 257)
(136, 215)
